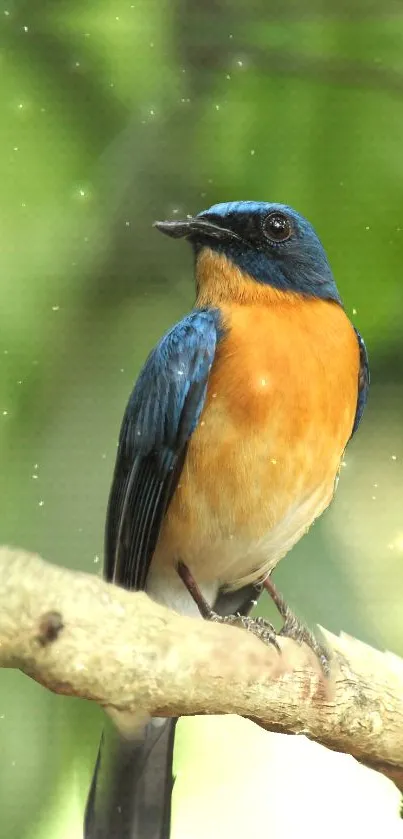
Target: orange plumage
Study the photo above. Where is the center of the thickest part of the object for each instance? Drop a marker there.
(280, 407)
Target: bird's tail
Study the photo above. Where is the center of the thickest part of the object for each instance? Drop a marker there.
(130, 795)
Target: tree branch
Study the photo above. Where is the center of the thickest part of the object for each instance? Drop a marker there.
(77, 635)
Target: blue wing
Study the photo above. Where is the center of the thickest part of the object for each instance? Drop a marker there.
(162, 413)
(363, 382)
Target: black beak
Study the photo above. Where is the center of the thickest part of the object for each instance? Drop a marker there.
(195, 227)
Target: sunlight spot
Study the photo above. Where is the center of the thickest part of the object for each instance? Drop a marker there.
(397, 544)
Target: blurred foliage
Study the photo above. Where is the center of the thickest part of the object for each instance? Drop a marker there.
(116, 113)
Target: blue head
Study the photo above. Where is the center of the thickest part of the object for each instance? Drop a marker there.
(271, 243)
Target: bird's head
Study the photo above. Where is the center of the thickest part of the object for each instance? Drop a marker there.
(244, 246)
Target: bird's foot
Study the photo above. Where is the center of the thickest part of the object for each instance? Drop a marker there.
(295, 629)
(258, 626)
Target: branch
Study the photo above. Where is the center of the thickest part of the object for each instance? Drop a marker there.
(79, 636)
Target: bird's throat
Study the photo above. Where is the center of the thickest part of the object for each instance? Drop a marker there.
(218, 280)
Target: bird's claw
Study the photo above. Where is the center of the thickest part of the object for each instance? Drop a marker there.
(295, 629)
(260, 627)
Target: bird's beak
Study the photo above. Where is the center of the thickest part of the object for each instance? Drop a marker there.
(195, 227)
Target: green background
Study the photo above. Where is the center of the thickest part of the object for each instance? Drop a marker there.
(114, 114)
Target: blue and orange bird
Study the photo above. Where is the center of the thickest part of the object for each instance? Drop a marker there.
(230, 447)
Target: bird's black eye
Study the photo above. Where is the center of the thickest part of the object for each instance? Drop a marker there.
(276, 227)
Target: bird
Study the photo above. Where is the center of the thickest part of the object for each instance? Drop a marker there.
(230, 447)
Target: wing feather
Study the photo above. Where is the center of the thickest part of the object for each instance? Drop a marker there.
(162, 413)
(363, 382)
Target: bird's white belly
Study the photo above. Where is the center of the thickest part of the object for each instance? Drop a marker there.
(230, 560)
(242, 560)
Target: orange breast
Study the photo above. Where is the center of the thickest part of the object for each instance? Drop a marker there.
(262, 463)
